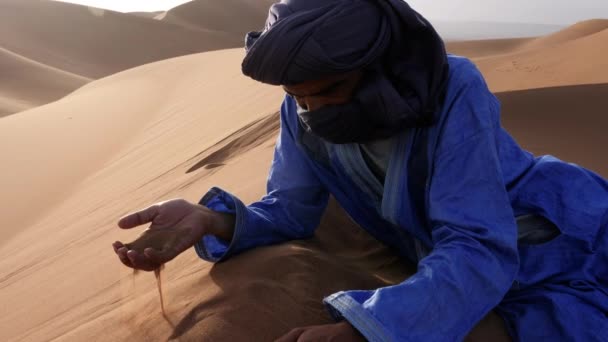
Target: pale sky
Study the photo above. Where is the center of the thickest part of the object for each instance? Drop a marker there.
(519, 11)
(131, 5)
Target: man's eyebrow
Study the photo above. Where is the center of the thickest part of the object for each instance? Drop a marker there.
(331, 87)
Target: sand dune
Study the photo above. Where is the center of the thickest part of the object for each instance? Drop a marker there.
(179, 148)
(27, 83)
(150, 120)
(48, 48)
(236, 17)
(576, 31)
(568, 122)
(175, 128)
(92, 42)
(573, 56)
(486, 48)
(579, 61)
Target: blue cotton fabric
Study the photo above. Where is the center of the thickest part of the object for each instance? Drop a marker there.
(458, 225)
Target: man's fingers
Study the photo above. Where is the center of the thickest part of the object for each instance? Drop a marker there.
(292, 336)
(138, 218)
(141, 262)
(117, 245)
(159, 257)
(122, 255)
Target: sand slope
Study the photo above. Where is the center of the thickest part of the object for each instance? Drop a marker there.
(48, 48)
(575, 55)
(92, 42)
(574, 62)
(174, 129)
(174, 146)
(568, 122)
(486, 48)
(576, 31)
(236, 17)
(27, 83)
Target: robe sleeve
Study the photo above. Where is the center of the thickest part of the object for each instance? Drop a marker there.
(291, 210)
(474, 259)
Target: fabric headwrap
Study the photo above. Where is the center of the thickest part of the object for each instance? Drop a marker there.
(310, 39)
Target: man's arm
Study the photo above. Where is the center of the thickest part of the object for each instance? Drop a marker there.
(291, 209)
(474, 259)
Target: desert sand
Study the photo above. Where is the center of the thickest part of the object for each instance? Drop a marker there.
(76, 44)
(175, 128)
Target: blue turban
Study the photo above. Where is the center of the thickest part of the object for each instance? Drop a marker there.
(310, 39)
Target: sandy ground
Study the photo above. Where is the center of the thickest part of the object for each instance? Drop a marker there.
(56, 47)
(177, 127)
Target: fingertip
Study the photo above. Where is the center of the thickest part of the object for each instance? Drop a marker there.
(123, 223)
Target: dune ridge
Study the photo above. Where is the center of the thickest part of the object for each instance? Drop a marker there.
(576, 31)
(232, 16)
(52, 48)
(572, 56)
(31, 84)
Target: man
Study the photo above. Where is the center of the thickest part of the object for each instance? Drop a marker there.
(408, 140)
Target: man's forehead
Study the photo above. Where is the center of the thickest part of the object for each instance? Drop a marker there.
(314, 86)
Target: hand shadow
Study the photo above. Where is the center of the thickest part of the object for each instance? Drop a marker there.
(265, 292)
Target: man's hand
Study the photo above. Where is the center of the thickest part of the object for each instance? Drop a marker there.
(339, 332)
(176, 226)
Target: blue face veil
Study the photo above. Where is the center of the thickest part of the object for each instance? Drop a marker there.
(403, 59)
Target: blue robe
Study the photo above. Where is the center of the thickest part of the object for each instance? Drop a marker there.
(451, 202)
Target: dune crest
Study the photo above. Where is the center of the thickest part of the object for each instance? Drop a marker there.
(579, 30)
(31, 84)
(97, 167)
(573, 56)
(236, 17)
(52, 48)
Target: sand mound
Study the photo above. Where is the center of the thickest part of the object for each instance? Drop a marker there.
(576, 31)
(236, 17)
(572, 56)
(485, 48)
(578, 61)
(568, 122)
(161, 151)
(92, 42)
(48, 48)
(28, 83)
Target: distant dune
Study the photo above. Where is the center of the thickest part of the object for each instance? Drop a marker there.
(236, 17)
(27, 83)
(176, 127)
(486, 48)
(86, 43)
(92, 42)
(576, 31)
(575, 55)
